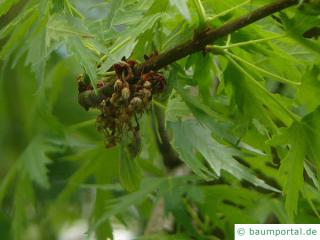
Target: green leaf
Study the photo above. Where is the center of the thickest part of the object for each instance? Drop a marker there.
(86, 169)
(203, 74)
(310, 85)
(219, 125)
(118, 50)
(251, 98)
(75, 35)
(17, 37)
(177, 206)
(297, 26)
(182, 7)
(126, 44)
(61, 26)
(86, 58)
(292, 165)
(145, 24)
(193, 142)
(23, 202)
(114, 7)
(186, 149)
(35, 160)
(158, 6)
(311, 124)
(17, 20)
(5, 5)
(177, 109)
(303, 140)
(129, 170)
(8, 179)
(121, 204)
(37, 54)
(104, 174)
(219, 197)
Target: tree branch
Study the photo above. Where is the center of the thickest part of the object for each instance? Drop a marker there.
(170, 157)
(89, 98)
(210, 35)
(198, 43)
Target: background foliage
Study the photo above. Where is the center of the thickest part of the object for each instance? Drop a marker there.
(245, 122)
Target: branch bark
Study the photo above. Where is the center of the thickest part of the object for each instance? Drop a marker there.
(198, 43)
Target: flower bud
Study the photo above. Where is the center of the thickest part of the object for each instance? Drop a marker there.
(147, 93)
(100, 84)
(136, 103)
(114, 99)
(125, 93)
(118, 85)
(147, 84)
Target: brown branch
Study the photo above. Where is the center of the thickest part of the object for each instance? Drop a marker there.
(198, 43)
(89, 98)
(170, 157)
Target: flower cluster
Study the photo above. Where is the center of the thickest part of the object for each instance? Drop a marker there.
(131, 96)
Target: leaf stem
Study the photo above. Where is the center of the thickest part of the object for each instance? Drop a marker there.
(155, 102)
(240, 44)
(72, 10)
(107, 74)
(201, 13)
(228, 40)
(82, 124)
(280, 79)
(92, 48)
(227, 11)
(115, 48)
(80, 34)
(292, 116)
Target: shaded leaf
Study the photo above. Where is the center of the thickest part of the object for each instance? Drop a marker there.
(203, 74)
(5, 5)
(118, 205)
(35, 160)
(23, 201)
(17, 37)
(297, 26)
(192, 139)
(292, 165)
(104, 174)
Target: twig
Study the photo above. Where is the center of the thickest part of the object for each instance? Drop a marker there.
(198, 43)
(209, 35)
